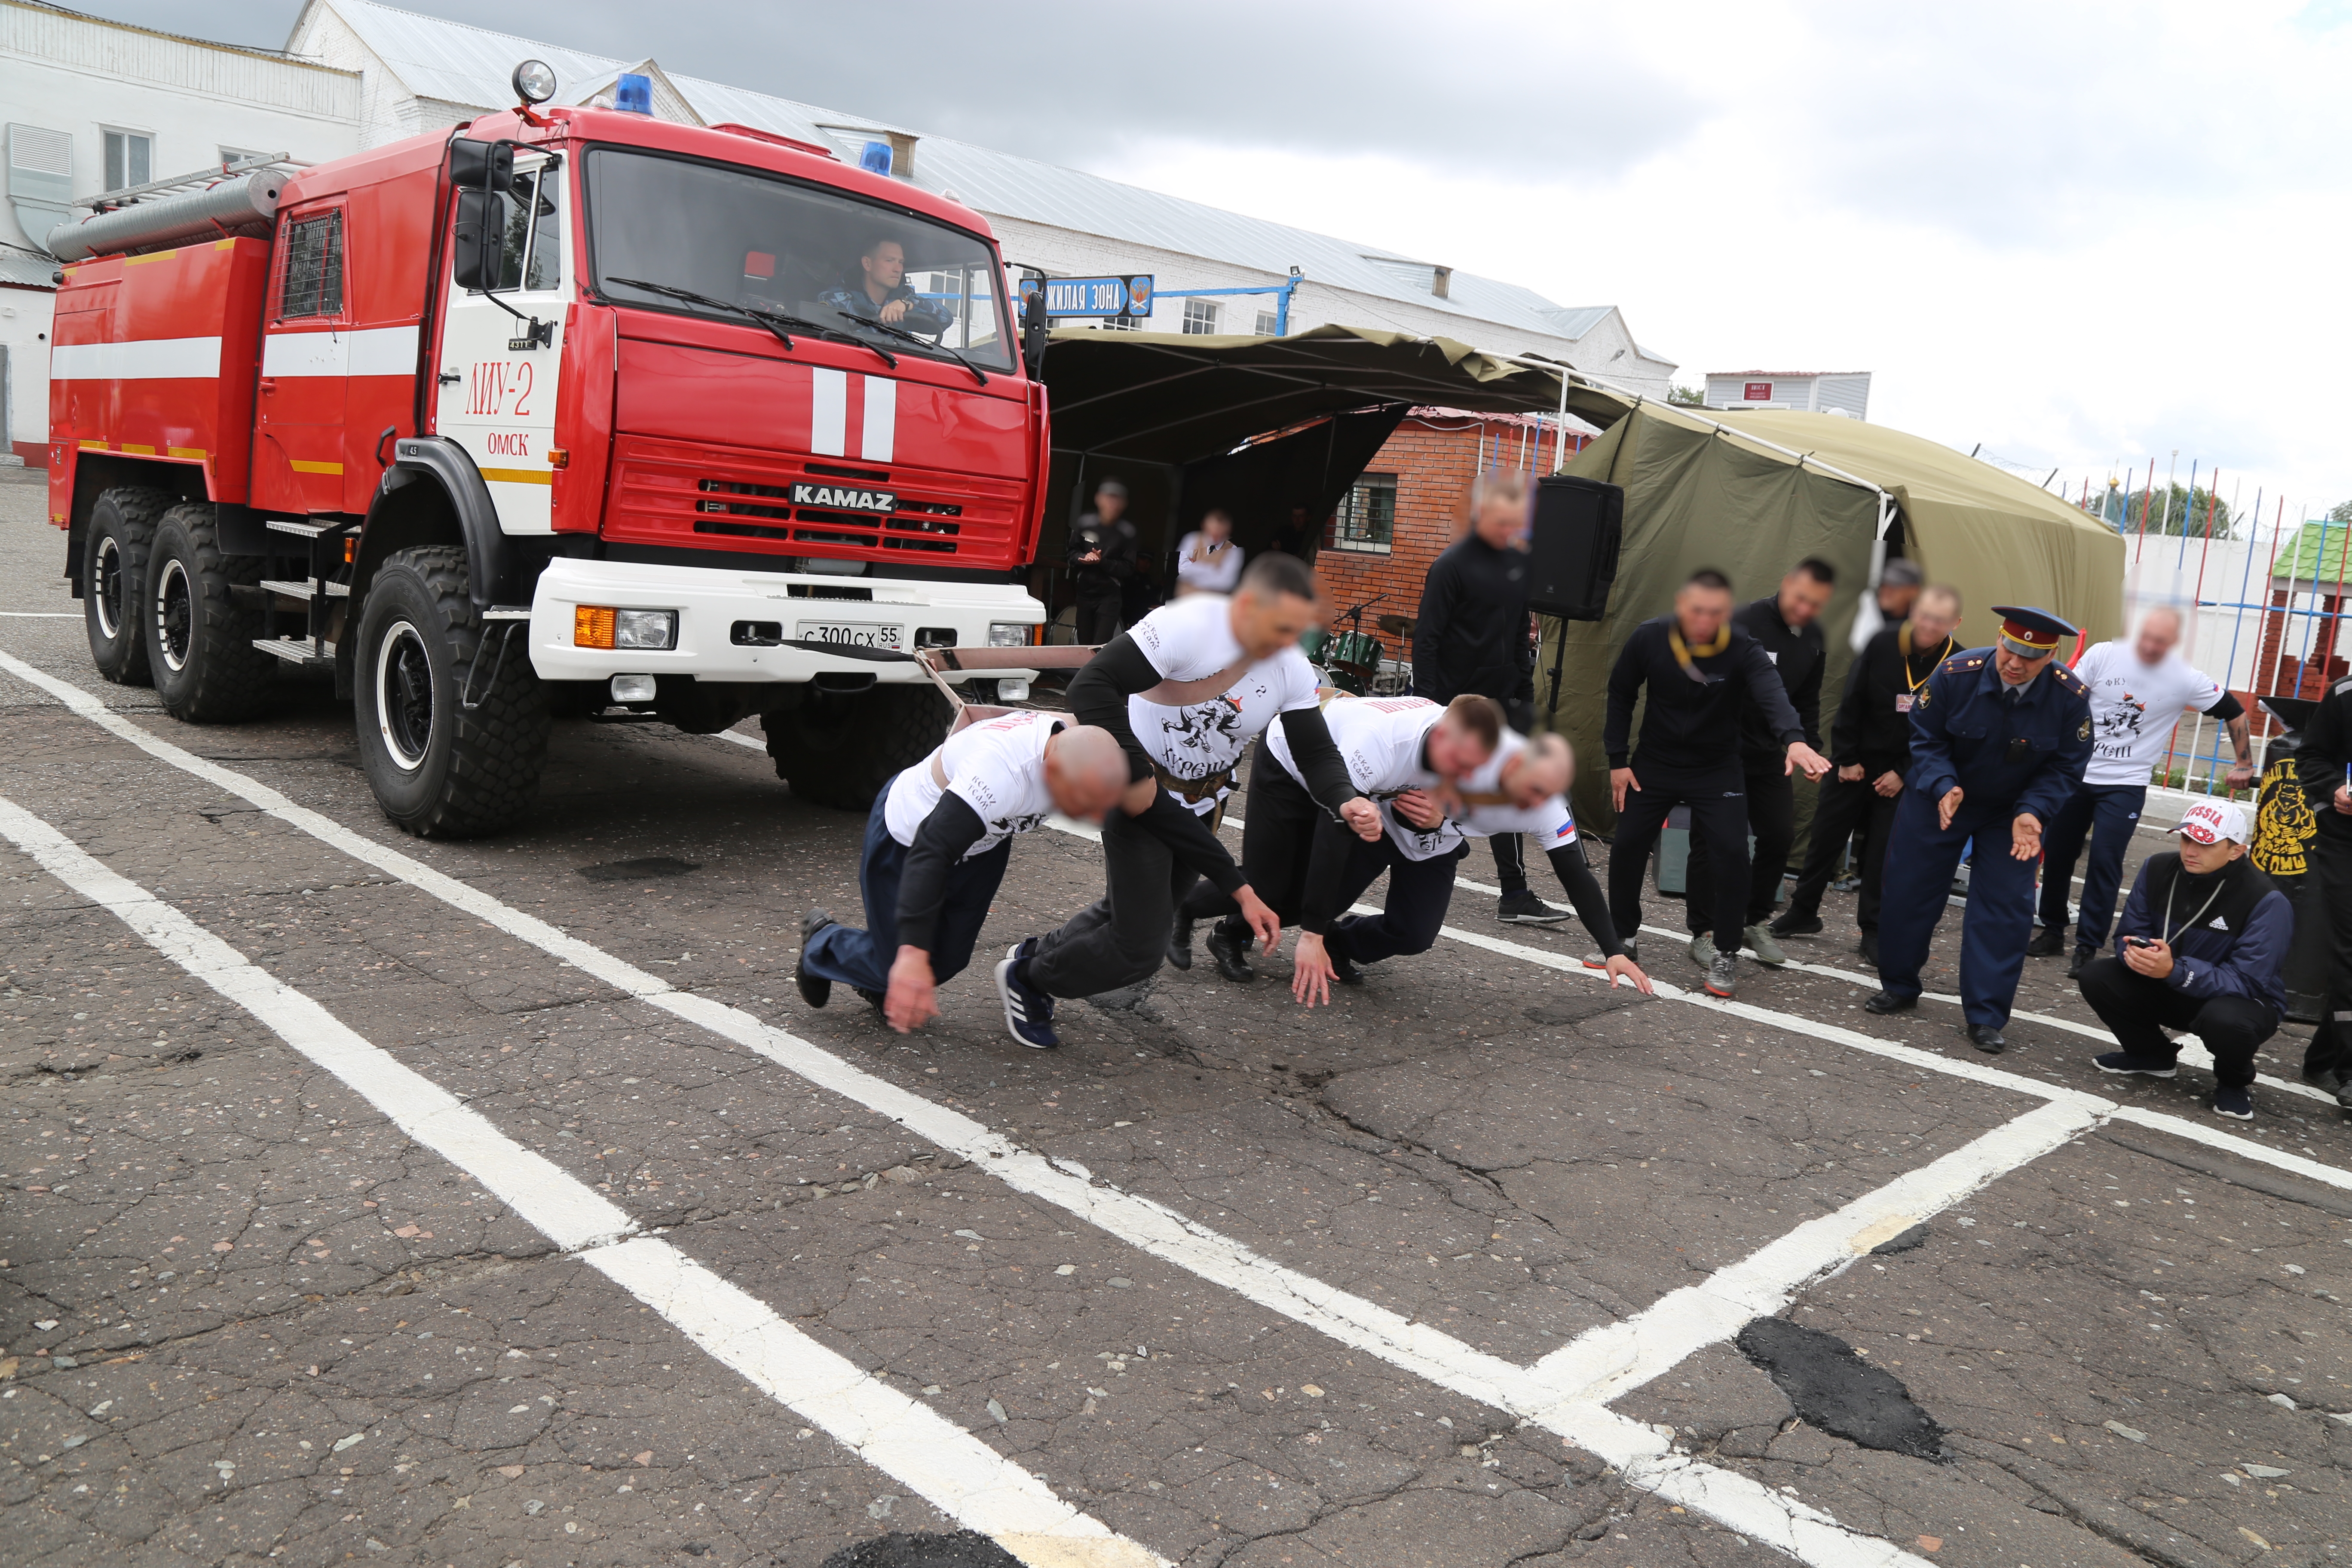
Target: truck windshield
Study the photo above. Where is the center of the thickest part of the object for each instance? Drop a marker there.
(799, 251)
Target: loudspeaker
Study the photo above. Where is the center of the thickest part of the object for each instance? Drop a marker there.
(1572, 541)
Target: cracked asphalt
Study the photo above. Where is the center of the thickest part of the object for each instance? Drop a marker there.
(244, 1317)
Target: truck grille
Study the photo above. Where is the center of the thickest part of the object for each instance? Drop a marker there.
(670, 492)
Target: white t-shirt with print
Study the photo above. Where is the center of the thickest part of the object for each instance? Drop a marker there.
(1379, 738)
(1192, 639)
(2134, 708)
(1550, 821)
(996, 767)
(1215, 575)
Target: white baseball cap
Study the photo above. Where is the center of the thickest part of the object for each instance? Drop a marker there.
(2211, 821)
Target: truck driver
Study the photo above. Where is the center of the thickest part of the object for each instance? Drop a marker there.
(882, 295)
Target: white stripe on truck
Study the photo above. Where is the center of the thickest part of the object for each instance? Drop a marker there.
(829, 413)
(145, 359)
(373, 351)
(881, 432)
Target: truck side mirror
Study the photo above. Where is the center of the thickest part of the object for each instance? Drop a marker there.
(481, 165)
(476, 240)
(1034, 323)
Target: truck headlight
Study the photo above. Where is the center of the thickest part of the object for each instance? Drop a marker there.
(1008, 634)
(644, 629)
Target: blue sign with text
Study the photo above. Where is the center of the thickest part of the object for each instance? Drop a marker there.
(1128, 295)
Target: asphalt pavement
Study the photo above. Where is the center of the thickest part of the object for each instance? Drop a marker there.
(368, 1199)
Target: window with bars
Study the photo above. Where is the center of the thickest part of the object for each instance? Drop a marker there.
(1200, 317)
(1367, 517)
(129, 160)
(313, 283)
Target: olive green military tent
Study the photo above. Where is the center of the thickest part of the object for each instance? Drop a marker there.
(1752, 493)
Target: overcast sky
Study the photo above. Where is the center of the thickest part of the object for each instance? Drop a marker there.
(2082, 235)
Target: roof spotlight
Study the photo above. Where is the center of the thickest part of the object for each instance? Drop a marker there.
(534, 81)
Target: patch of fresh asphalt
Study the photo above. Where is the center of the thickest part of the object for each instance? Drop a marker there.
(1838, 1392)
(1214, 1059)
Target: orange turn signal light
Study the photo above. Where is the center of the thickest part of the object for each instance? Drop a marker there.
(350, 547)
(591, 626)
(559, 457)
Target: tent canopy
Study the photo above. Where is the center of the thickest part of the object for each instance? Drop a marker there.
(1753, 493)
(1167, 398)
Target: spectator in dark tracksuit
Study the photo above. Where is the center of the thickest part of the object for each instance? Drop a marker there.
(2202, 947)
(2324, 768)
(1471, 636)
(1102, 562)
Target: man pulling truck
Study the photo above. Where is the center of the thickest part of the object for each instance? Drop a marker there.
(1185, 692)
(1701, 670)
(1869, 742)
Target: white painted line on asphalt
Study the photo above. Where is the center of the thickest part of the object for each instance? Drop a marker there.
(1645, 1456)
(41, 615)
(950, 1469)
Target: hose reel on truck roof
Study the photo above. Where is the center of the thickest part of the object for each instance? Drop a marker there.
(245, 204)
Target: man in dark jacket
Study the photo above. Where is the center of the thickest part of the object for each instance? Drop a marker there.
(1869, 742)
(1786, 626)
(881, 293)
(2200, 947)
(1102, 562)
(2324, 768)
(1702, 672)
(1471, 636)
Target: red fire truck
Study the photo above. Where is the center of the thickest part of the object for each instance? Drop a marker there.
(563, 412)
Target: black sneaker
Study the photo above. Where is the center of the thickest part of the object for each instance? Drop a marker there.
(1343, 968)
(2080, 961)
(1868, 948)
(1793, 923)
(1180, 942)
(815, 989)
(1232, 957)
(2048, 942)
(2233, 1103)
(2124, 1061)
(1521, 906)
(1028, 1012)
(1890, 1001)
(873, 999)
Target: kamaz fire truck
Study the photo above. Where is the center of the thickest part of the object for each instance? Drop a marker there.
(562, 411)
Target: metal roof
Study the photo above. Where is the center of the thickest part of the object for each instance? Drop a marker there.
(28, 268)
(462, 63)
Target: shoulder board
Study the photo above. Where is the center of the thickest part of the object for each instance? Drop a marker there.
(1961, 663)
(2070, 682)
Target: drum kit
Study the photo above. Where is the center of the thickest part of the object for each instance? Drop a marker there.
(1354, 660)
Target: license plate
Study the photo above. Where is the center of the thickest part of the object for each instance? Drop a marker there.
(855, 633)
(846, 498)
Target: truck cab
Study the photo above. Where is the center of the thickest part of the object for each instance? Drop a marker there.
(566, 412)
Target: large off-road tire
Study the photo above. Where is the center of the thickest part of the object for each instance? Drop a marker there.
(114, 548)
(440, 769)
(840, 751)
(200, 651)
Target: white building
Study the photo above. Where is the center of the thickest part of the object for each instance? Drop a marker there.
(1843, 392)
(92, 106)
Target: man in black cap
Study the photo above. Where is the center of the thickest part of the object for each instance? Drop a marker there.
(1102, 559)
(1998, 739)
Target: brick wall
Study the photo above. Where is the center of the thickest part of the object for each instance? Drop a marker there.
(1434, 457)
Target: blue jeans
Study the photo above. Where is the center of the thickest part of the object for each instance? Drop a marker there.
(863, 958)
(2106, 815)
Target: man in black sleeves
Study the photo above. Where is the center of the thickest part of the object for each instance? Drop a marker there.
(1701, 671)
(1102, 563)
(1471, 636)
(1184, 692)
(1786, 626)
(2324, 768)
(1869, 742)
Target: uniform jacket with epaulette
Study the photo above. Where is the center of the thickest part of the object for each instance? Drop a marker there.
(2024, 758)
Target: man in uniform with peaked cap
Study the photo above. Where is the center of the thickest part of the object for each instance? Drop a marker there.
(1999, 736)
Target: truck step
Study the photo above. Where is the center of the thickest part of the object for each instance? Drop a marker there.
(299, 651)
(501, 612)
(302, 530)
(309, 589)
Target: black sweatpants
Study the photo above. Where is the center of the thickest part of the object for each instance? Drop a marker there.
(2138, 1009)
(1841, 809)
(1119, 939)
(1278, 837)
(1413, 910)
(2331, 866)
(1098, 619)
(1511, 854)
(1719, 808)
(1772, 818)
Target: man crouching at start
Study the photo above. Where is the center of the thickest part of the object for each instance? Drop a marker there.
(936, 848)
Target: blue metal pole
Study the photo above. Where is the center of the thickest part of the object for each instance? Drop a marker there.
(1282, 310)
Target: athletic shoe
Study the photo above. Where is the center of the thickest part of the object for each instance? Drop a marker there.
(1180, 941)
(2080, 961)
(1232, 957)
(2326, 1080)
(2234, 1103)
(1868, 948)
(1521, 906)
(1890, 1001)
(1343, 968)
(1028, 1012)
(2048, 942)
(1702, 949)
(1988, 1039)
(1767, 951)
(1723, 974)
(1790, 922)
(815, 989)
(1848, 883)
(874, 999)
(2124, 1061)
(1632, 947)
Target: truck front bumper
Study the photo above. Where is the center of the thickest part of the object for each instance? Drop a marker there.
(728, 622)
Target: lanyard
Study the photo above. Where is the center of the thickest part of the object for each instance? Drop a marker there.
(1903, 640)
(1681, 651)
(2168, 931)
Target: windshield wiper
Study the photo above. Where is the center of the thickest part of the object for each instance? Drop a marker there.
(921, 343)
(818, 328)
(690, 296)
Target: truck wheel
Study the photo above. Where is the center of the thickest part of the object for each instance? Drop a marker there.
(439, 768)
(840, 751)
(114, 577)
(200, 648)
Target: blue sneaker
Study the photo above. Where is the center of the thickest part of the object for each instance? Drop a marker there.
(1028, 1012)
(2233, 1103)
(2124, 1061)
